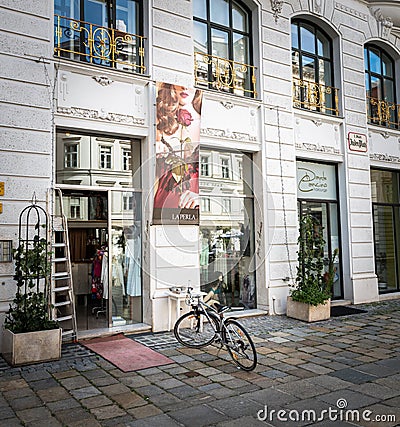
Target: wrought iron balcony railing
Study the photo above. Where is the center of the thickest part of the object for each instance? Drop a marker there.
(224, 75)
(315, 97)
(383, 113)
(98, 45)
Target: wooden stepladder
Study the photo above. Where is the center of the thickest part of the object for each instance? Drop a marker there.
(62, 289)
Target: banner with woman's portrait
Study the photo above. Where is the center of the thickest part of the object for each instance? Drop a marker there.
(176, 191)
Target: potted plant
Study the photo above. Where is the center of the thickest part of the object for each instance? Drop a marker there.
(309, 299)
(29, 335)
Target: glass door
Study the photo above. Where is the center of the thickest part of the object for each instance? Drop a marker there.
(125, 304)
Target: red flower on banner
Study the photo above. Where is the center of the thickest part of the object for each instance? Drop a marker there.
(183, 117)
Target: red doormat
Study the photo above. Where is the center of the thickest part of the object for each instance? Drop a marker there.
(125, 353)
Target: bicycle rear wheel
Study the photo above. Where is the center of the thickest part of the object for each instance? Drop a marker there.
(240, 346)
(194, 330)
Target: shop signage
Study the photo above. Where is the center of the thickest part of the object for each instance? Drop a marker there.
(357, 142)
(316, 181)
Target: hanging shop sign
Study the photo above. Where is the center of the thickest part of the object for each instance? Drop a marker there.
(357, 142)
(316, 181)
(176, 189)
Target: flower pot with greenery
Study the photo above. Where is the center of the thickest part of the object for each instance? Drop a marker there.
(309, 299)
(30, 336)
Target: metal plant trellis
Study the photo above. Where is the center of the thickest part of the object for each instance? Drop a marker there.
(32, 265)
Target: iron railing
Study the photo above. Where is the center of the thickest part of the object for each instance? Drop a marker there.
(383, 113)
(224, 75)
(315, 97)
(92, 43)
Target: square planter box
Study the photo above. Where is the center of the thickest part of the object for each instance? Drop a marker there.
(308, 312)
(31, 347)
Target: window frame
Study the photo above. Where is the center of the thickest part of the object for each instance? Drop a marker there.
(69, 155)
(104, 157)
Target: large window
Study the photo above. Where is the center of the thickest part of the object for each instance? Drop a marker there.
(106, 32)
(380, 87)
(386, 213)
(227, 230)
(312, 67)
(222, 44)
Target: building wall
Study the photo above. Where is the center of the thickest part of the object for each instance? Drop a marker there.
(98, 100)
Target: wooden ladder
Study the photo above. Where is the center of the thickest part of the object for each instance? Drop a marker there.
(62, 289)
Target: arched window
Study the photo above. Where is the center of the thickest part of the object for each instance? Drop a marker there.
(312, 66)
(222, 46)
(380, 87)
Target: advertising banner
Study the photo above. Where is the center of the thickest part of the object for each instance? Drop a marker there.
(316, 181)
(176, 191)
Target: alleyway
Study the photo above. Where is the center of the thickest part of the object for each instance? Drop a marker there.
(347, 367)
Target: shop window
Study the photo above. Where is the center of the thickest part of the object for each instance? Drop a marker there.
(317, 195)
(227, 233)
(222, 47)
(105, 157)
(71, 155)
(312, 69)
(385, 187)
(102, 32)
(380, 87)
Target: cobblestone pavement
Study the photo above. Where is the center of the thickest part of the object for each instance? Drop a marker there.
(341, 372)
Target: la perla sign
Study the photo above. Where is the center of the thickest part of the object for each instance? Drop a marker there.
(316, 181)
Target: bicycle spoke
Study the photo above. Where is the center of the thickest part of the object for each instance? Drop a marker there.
(194, 330)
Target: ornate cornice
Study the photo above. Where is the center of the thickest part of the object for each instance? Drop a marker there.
(221, 133)
(384, 157)
(103, 80)
(317, 148)
(385, 23)
(84, 113)
(351, 11)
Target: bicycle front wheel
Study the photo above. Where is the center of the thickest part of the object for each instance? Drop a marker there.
(194, 330)
(240, 345)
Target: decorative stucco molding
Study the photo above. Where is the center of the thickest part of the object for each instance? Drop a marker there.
(385, 24)
(221, 133)
(384, 157)
(227, 104)
(318, 6)
(103, 80)
(276, 6)
(317, 122)
(317, 148)
(84, 113)
(351, 11)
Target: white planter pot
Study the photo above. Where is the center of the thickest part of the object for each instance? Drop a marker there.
(308, 312)
(31, 347)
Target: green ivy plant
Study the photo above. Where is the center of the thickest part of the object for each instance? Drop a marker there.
(313, 286)
(29, 310)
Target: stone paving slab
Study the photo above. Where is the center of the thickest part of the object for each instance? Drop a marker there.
(353, 361)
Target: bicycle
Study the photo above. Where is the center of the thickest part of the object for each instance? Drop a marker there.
(205, 324)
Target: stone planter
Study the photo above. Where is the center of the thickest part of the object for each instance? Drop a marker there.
(31, 347)
(308, 312)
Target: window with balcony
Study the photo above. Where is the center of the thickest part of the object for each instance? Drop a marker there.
(105, 157)
(380, 88)
(312, 68)
(222, 47)
(103, 32)
(71, 155)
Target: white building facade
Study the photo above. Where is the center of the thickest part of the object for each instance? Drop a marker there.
(299, 115)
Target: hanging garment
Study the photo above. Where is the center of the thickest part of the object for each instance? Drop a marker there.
(132, 263)
(104, 275)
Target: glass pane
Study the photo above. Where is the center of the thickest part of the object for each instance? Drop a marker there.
(376, 88)
(385, 251)
(219, 41)
(324, 46)
(295, 64)
(241, 49)
(366, 59)
(199, 9)
(389, 90)
(227, 249)
(95, 12)
(126, 16)
(69, 9)
(219, 12)
(307, 38)
(385, 186)
(308, 68)
(126, 254)
(387, 65)
(374, 61)
(200, 37)
(239, 17)
(295, 36)
(334, 238)
(325, 73)
(367, 84)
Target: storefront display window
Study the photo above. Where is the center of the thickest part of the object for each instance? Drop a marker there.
(226, 229)
(385, 186)
(317, 195)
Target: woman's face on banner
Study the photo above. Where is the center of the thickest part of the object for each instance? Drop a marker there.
(185, 95)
